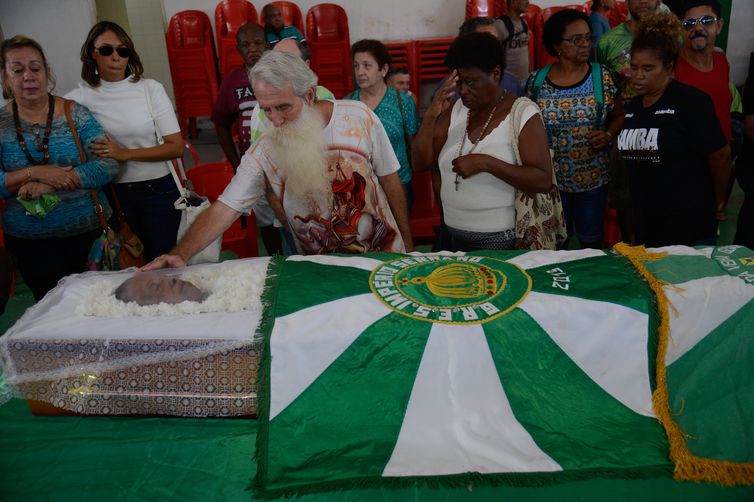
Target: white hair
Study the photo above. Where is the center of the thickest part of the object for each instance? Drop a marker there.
(278, 69)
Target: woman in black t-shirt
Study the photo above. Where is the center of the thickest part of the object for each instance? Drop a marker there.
(677, 157)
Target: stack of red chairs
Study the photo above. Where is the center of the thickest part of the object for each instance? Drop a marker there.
(191, 54)
(430, 61)
(229, 16)
(327, 33)
(533, 18)
(210, 180)
(402, 56)
(485, 8)
(291, 15)
(425, 213)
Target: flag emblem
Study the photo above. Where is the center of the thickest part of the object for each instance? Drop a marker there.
(450, 289)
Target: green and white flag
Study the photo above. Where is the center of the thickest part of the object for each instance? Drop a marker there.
(523, 368)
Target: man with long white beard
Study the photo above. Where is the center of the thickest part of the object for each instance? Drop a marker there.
(327, 166)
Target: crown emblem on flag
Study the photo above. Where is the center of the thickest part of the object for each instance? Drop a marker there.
(459, 280)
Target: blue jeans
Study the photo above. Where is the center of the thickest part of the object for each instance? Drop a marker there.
(408, 189)
(585, 211)
(150, 213)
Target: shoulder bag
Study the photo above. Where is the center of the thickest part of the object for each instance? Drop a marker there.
(540, 223)
(190, 204)
(112, 250)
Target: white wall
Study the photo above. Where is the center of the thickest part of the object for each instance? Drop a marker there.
(740, 39)
(60, 26)
(387, 20)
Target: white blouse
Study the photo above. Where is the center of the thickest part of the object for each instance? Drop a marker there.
(483, 202)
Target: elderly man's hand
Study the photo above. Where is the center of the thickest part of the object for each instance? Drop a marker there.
(164, 261)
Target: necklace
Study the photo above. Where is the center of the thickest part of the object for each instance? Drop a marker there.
(481, 135)
(43, 145)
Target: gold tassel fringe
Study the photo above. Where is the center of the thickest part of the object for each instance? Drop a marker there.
(688, 467)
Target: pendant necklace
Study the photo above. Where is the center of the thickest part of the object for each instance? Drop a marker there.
(42, 146)
(481, 135)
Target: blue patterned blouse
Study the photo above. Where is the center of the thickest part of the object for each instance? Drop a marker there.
(570, 114)
(395, 123)
(75, 212)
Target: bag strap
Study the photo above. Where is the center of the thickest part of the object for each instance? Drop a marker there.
(515, 116)
(176, 165)
(99, 211)
(539, 79)
(67, 109)
(598, 87)
(403, 117)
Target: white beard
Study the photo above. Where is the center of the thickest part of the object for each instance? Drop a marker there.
(300, 153)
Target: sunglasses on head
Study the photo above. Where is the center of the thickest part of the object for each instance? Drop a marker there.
(704, 20)
(107, 49)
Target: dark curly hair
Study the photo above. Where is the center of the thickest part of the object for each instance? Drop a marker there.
(374, 47)
(473, 23)
(552, 34)
(476, 50)
(20, 42)
(659, 33)
(89, 67)
(682, 8)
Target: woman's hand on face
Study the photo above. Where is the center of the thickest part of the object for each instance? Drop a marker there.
(107, 147)
(443, 98)
(34, 190)
(468, 165)
(599, 139)
(58, 177)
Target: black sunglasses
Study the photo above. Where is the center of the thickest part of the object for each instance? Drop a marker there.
(107, 49)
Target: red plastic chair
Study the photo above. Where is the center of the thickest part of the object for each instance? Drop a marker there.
(192, 151)
(430, 61)
(191, 55)
(611, 228)
(327, 33)
(485, 8)
(617, 15)
(291, 15)
(425, 213)
(533, 18)
(230, 15)
(210, 180)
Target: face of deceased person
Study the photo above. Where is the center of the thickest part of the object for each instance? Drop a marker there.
(151, 289)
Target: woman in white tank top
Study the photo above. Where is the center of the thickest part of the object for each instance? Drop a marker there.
(471, 142)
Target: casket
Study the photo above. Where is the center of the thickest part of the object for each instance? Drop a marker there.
(192, 365)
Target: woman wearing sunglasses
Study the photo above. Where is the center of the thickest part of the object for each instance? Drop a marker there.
(677, 157)
(49, 220)
(142, 133)
(582, 111)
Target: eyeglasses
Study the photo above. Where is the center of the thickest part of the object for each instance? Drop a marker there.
(580, 39)
(108, 49)
(704, 20)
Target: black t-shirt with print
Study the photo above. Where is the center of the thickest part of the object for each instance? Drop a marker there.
(665, 147)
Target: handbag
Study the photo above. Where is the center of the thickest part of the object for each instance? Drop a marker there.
(191, 205)
(540, 222)
(112, 250)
